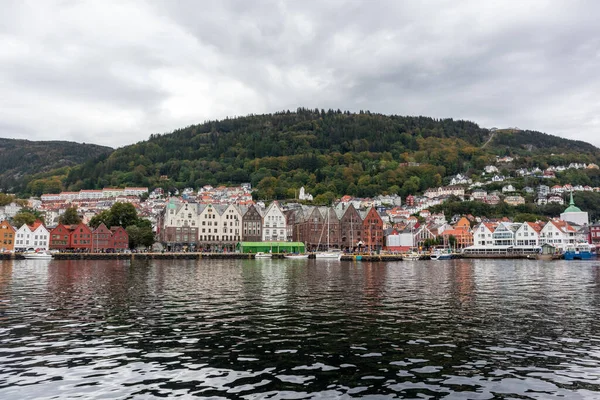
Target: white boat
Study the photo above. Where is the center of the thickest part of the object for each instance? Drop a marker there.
(441, 254)
(295, 256)
(329, 255)
(261, 254)
(37, 255)
(412, 256)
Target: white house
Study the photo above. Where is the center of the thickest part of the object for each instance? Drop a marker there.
(232, 222)
(555, 200)
(508, 188)
(557, 233)
(460, 179)
(32, 237)
(482, 234)
(528, 234)
(491, 169)
(274, 224)
(504, 234)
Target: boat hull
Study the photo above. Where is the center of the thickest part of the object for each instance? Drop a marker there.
(263, 255)
(296, 256)
(328, 256)
(37, 256)
(581, 255)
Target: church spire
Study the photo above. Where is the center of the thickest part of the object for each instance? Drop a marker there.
(572, 202)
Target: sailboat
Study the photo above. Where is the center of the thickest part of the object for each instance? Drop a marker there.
(331, 254)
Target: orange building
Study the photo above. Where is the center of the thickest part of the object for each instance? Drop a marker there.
(7, 237)
(464, 238)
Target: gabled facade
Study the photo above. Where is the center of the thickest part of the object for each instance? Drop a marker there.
(528, 234)
(252, 225)
(101, 239)
(60, 237)
(372, 230)
(32, 237)
(119, 239)
(329, 236)
(350, 228)
(558, 233)
(504, 234)
(274, 226)
(483, 234)
(210, 220)
(80, 238)
(231, 221)
(7, 237)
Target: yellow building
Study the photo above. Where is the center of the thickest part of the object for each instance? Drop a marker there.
(7, 237)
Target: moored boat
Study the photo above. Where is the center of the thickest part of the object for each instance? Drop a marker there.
(440, 254)
(295, 256)
(578, 251)
(329, 255)
(261, 254)
(412, 256)
(37, 255)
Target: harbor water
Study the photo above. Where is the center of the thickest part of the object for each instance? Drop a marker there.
(299, 329)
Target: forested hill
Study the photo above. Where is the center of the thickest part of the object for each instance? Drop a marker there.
(328, 152)
(21, 158)
(518, 140)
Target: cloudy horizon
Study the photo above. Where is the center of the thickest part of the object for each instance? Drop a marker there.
(112, 73)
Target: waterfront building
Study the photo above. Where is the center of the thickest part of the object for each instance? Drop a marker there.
(483, 234)
(372, 230)
(504, 234)
(119, 238)
(528, 234)
(350, 228)
(7, 237)
(101, 239)
(34, 237)
(231, 221)
(594, 234)
(60, 237)
(80, 237)
(252, 224)
(274, 227)
(179, 224)
(558, 233)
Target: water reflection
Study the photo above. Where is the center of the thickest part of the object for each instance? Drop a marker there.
(312, 329)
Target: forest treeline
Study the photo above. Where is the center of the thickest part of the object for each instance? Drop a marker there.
(330, 153)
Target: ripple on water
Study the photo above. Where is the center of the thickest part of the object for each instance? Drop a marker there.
(277, 330)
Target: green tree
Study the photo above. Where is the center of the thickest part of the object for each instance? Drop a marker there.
(140, 235)
(70, 217)
(22, 218)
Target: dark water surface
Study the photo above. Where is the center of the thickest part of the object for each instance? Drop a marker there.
(296, 329)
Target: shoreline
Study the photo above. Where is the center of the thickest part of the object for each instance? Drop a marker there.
(198, 256)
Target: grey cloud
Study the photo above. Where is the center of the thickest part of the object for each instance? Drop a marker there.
(532, 65)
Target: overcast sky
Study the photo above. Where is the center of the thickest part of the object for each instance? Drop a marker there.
(113, 72)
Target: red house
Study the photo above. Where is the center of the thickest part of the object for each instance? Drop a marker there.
(60, 238)
(101, 239)
(372, 230)
(120, 238)
(105, 240)
(81, 237)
